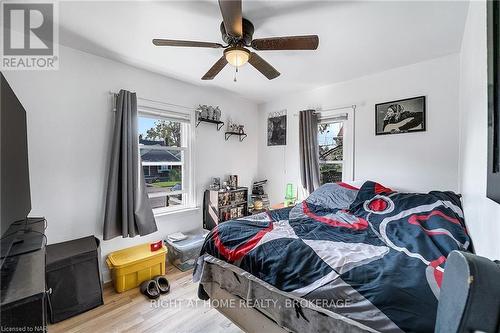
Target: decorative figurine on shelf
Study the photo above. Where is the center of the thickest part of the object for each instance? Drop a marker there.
(210, 112)
(234, 127)
(198, 112)
(233, 182)
(217, 114)
(215, 186)
(225, 186)
(204, 111)
(258, 205)
(289, 195)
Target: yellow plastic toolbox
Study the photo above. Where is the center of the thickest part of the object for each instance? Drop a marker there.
(131, 266)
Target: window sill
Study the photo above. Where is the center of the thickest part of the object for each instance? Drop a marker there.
(177, 211)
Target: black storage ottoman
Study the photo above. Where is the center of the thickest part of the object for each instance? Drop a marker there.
(73, 275)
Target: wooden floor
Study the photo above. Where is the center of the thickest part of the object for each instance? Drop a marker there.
(180, 311)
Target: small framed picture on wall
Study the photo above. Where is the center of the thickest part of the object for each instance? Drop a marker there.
(276, 128)
(401, 116)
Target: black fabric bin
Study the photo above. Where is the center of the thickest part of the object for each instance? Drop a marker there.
(73, 274)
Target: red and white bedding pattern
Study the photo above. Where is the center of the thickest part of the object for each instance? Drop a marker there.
(374, 255)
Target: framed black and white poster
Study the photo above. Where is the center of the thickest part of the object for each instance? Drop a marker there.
(276, 128)
(493, 180)
(401, 116)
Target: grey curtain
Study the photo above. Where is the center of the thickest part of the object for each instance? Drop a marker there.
(309, 151)
(128, 212)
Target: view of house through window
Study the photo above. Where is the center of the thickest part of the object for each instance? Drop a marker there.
(331, 151)
(162, 147)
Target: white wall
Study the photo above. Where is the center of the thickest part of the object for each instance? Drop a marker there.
(415, 161)
(482, 214)
(69, 130)
(70, 122)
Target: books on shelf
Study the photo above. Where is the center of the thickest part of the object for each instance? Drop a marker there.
(221, 206)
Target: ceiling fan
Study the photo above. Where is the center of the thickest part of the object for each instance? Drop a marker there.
(237, 33)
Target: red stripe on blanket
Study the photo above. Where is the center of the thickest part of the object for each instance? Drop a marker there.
(379, 189)
(360, 225)
(235, 254)
(347, 186)
(438, 275)
(418, 219)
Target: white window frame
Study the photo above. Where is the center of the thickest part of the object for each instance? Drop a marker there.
(327, 117)
(158, 110)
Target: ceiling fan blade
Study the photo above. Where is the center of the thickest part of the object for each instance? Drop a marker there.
(232, 17)
(185, 43)
(309, 42)
(263, 66)
(215, 69)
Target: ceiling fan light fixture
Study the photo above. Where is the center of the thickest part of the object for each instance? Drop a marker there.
(237, 56)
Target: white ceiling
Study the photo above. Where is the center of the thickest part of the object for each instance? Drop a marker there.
(356, 38)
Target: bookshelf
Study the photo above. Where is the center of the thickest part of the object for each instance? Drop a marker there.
(222, 206)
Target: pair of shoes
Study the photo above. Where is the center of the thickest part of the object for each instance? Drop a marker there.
(153, 288)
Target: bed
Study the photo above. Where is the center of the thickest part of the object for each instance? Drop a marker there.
(346, 259)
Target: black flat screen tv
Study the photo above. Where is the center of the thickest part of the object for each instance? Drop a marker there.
(15, 198)
(493, 185)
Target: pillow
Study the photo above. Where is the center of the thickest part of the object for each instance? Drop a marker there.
(333, 196)
(376, 198)
(422, 227)
(328, 204)
(435, 218)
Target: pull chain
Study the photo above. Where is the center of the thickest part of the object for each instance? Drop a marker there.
(235, 72)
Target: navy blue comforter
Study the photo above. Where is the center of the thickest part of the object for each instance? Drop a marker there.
(371, 254)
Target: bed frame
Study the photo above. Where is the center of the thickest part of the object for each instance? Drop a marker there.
(248, 319)
(229, 288)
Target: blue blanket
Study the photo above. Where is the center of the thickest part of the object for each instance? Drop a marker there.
(373, 255)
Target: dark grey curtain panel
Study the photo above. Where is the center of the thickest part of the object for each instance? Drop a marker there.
(128, 212)
(309, 150)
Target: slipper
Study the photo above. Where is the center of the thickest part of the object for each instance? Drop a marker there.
(162, 283)
(150, 289)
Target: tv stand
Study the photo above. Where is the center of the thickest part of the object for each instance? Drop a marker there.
(23, 236)
(23, 293)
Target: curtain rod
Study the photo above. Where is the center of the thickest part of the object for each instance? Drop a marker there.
(159, 102)
(352, 106)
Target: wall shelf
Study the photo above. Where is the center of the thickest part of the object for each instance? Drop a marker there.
(211, 121)
(242, 136)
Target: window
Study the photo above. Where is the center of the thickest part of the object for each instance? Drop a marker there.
(165, 143)
(331, 151)
(165, 168)
(335, 148)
